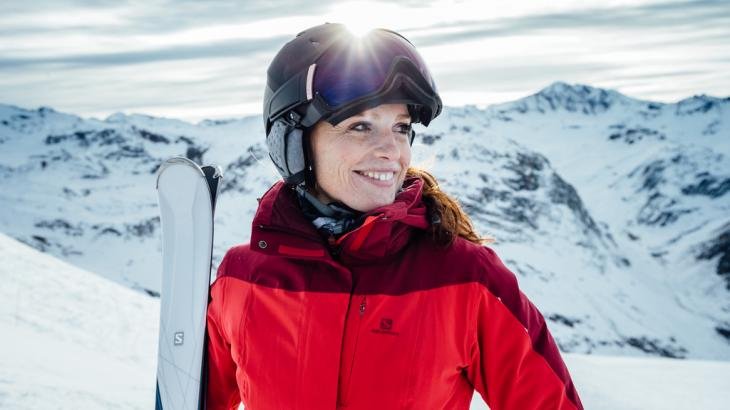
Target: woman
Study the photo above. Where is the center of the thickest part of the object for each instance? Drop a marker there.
(364, 286)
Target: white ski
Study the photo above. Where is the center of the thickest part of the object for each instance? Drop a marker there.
(187, 195)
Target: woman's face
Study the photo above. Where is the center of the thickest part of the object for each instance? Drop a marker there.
(362, 161)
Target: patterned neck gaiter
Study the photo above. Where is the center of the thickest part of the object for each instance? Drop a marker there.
(342, 219)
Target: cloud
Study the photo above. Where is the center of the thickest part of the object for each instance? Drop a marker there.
(228, 48)
(152, 16)
(696, 15)
(95, 57)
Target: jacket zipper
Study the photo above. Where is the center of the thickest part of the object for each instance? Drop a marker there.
(363, 306)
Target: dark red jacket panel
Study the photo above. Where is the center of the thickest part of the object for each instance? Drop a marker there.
(392, 321)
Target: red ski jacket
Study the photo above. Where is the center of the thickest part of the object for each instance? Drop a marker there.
(383, 319)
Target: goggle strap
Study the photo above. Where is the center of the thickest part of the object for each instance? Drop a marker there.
(288, 96)
(315, 111)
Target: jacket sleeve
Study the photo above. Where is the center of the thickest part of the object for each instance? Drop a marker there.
(221, 390)
(515, 363)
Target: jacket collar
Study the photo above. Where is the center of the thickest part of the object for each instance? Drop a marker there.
(280, 228)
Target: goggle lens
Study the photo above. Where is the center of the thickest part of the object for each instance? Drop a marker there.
(347, 72)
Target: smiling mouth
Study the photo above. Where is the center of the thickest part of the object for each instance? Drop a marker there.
(378, 176)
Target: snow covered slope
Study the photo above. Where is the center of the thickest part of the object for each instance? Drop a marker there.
(73, 340)
(70, 338)
(612, 211)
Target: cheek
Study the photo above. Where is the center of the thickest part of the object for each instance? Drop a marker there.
(405, 159)
(406, 156)
(333, 166)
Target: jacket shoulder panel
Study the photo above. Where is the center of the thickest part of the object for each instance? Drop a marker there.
(274, 271)
(461, 262)
(235, 259)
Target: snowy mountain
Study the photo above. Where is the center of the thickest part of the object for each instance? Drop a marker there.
(612, 211)
(74, 340)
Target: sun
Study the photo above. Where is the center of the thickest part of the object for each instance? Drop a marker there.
(359, 28)
(362, 17)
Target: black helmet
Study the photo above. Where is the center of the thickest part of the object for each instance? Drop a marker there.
(328, 73)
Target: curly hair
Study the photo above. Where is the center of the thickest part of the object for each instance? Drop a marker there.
(449, 219)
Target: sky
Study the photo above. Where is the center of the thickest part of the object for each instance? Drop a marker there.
(207, 59)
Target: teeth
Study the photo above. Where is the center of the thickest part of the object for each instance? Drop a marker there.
(381, 176)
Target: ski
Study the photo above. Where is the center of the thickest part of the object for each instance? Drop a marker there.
(187, 195)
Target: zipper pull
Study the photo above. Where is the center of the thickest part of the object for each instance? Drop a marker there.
(362, 306)
(333, 246)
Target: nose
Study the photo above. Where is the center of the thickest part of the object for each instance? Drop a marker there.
(388, 146)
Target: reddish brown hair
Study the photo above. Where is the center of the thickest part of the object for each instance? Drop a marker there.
(450, 219)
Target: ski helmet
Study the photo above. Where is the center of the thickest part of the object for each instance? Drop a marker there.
(328, 73)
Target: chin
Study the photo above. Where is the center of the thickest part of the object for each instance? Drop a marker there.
(370, 203)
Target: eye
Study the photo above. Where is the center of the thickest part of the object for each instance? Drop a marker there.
(360, 127)
(404, 128)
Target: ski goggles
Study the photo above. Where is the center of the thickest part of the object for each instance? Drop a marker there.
(355, 73)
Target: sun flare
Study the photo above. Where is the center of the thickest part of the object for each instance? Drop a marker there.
(362, 17)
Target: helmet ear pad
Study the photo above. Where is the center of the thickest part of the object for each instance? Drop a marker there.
(287, 151)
